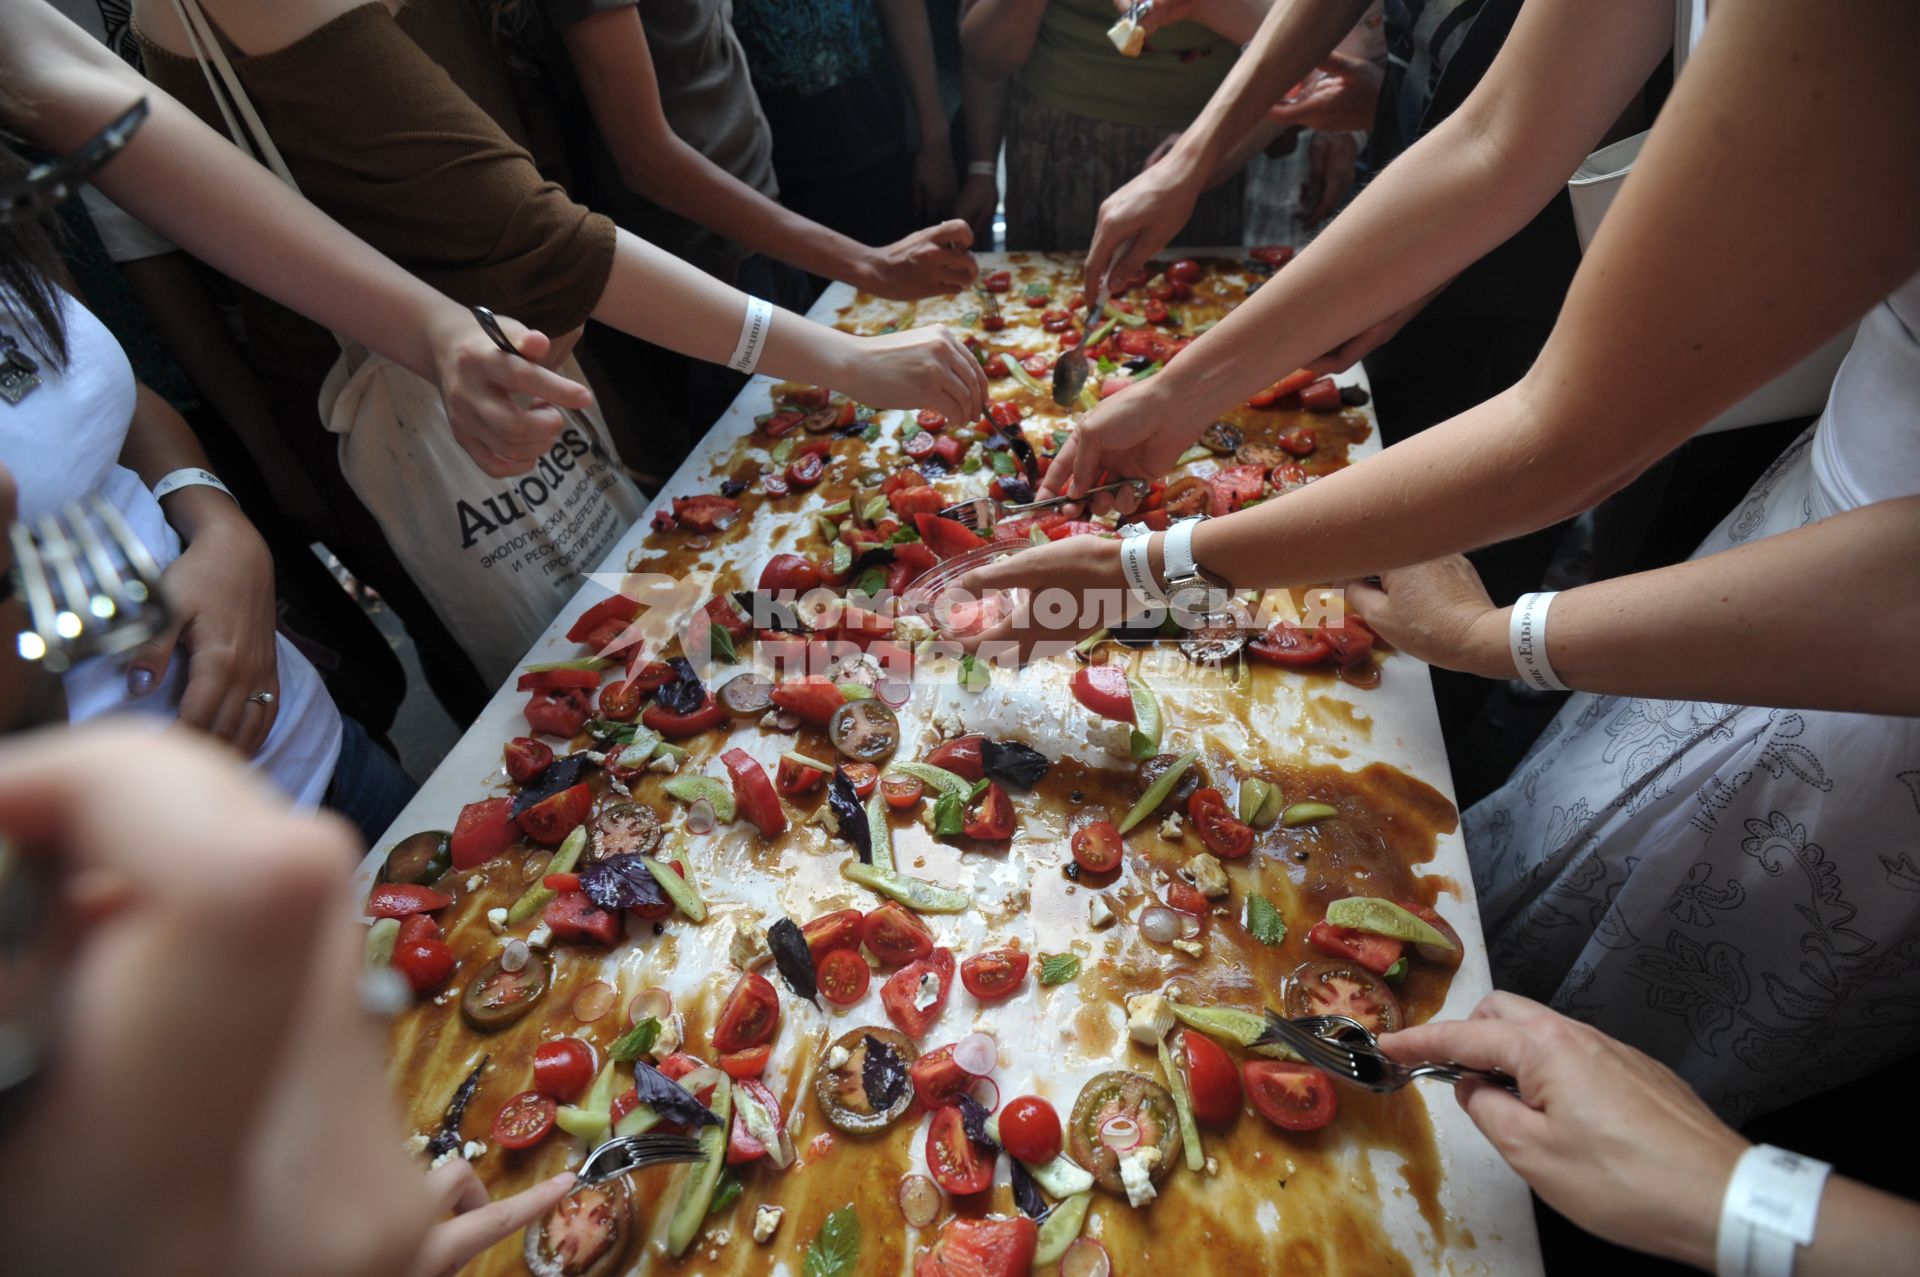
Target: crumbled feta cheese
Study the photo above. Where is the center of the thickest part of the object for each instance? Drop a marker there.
(497, 921)
(1192, 948)
(770, 720)
(472, 1150)
(665, 764)
(1209, 875)
(1172, 827)
(719, 1237)
(1213, 1166)
(1161, 877)
(766, 1221)
(837, 1057)
(1149, 1018)
(1128, 37)
(541, 936)
(1099, 914)
(672, 1033)
(445, 997)
(928, 993)
(748, 949)
(473, 883)
(443, 1159)
(416, 1144)
(1136, 1174)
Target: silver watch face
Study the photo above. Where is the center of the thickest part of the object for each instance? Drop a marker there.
(1199, 604)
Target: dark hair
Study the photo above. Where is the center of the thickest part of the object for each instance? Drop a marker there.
(518, 30)
(30, 265)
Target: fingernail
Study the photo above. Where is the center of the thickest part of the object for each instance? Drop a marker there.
(139, 681)
(563, 1179)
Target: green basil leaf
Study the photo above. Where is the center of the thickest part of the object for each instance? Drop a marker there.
(1058, 968)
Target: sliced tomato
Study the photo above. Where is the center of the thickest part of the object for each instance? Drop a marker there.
(961, 756)
(524, 1120)
(1103, 690)
(558, 713)
(806, 470)
(483, 830)
(725, 613)
(989, 1247)
(998, 281)
(928, 419)
(1272, 254)
(417, 927)
(1184, 271)
(813, 697)
(1057, 321)
(652, 676)
(750, 1016)
(1138, 343)
(920, 446)
(945, 537)
(990, 816)
(1376, 953)
(899, 993)
(781, 423)
(1225, 834)
(754, 792)
(561, 882)
(1186, 898)
(996, 367)
(794, 780)
(1351, 641)
(1321, 396)
(910, 503)
(916, 556)
(1030, 1130)
(549, 821)
(937, 1080)
(1155, 311)
(1294, 1097)
(527, 757)
(425, 963)
(751, 1062)
(742, 1146)
(620, 700)
(901, 792)
(1291, 384)
(1446, 958)
(709, 714)
(705, 513)
(1098, 847)
(564, 1068)
(555, 680)
(615, 608)
(789, 572)
(1213, 1083)
(1343, 988)
(1290, 645)
(401, 899)
(995, 974)
(1286, 475)
(895, 935)
(1072, 528)
(832, 932)
(573, 917)
(844, 977)
(863, 777)
(956, 1165)
(1233, 487)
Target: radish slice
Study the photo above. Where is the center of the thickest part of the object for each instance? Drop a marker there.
(700, 817)
(1120, 1133)
(1189, 926)
(895, 692)
(977, 1054)
(699, 541)
(513, 957)
(1086, 1258)
(787, 721)
(655, 1003)
(986, 1092)
(1159, 924)
(594, 1001)
(919, 1200)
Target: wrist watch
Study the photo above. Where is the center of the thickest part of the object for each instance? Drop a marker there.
(1191, 587)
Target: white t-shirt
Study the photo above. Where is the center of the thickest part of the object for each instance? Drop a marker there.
(63, 442)
(1867, 448)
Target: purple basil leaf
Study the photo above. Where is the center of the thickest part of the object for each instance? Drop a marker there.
(621, 882)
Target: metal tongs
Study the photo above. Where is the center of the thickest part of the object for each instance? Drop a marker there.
(624, 1153)
(49, 185)
(491, 326)
(981, 513)
(1347, 1049)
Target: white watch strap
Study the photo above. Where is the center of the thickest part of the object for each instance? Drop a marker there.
(190, 477)
(1176, 551)
(1771, 1207)
(1527, 641)
(753, 335)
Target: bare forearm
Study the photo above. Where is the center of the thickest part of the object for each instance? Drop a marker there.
(998, 35)
(912, 42)
(159, 441)
(983, 104)
(1862, 1230)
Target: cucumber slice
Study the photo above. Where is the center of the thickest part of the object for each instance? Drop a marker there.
(691, 789)
(1306, 813)
(879, 833)
(381, 937)
(1253, 792)
(1145, 737)
(1242, 1028)
(539, 896)
(578, 663)
(582, 1123)
(696, 1190)
(938, 777)
(1269, 808)
(636, 1121)
(1026, 379)
(679, 890)
(1063, 1177)
(1385, 918)
(1092, 640)
(842, 557)
(1183, 1106)
(921, 897)
(1060, 1229)
(799, 759)
(838, 510)
(855, 691)
(1158, 791)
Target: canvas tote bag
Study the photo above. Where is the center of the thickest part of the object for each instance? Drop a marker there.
(1801, 391)
(497, 558)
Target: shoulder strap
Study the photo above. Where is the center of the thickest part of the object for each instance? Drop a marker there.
(244, 125)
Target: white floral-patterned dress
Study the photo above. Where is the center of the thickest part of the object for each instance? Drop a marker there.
(1735, 889)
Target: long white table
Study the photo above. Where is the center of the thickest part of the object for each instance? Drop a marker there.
(1395, 724)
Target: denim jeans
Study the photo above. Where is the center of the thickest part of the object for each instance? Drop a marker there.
(368, 788)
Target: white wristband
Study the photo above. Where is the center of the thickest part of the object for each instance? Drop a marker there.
(191, 477)
(1133, 566)
(1771, 1206)
(983, 168)
(753, 335)
(1527, 641)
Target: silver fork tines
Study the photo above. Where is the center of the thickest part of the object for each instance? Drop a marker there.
(90, 585)
(625, 1153)
(982, 513)
(1348, 1050)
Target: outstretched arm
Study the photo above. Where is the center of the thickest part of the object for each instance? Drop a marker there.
(998, 35)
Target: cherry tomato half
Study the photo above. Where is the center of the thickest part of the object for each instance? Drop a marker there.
(1294, 1097)
(807, 470)
(831, 932)
(1212, 1082)
(956, 1164)
(901, 792)
(1098, 847)
(524, 1120)
(527, 757)
(895, 935)
(425, 963)
(751, 1015)
(1225, 834)
(844, 977)
(863, 777)
(1030, 1130)
(928, 419)
(994, 974)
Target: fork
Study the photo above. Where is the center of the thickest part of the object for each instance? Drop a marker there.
(624, 1153)
(490, 324)
(982, 513)
(1347, 1049)
(87, 594)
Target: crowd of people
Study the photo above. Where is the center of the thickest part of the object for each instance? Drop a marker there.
(1694, 886)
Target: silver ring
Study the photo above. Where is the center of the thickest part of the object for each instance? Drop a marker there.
(261, 698)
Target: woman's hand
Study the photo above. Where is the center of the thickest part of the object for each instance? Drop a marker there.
(220, 591)
(915, 368)
(1074, 587)
(1341, 97)
(479, 382)
(1440, 613)
(1140, 219)
(478, 1221)
(926, 263)
(1136, 434)
(1332, 162)
(934, 184)
(1611, 1139)
(979, 201)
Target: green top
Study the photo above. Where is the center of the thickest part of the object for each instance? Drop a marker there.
(1075, 68)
